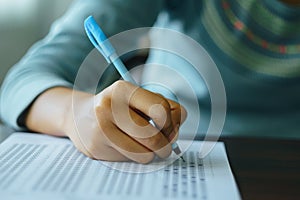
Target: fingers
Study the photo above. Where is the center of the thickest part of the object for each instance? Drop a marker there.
(92, 144)
(152, 105)
(128, 147)
(148, 135)
(135, 139)
(123, 143)
(123, 111)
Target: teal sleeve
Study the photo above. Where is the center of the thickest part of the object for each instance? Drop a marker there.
(55, 60)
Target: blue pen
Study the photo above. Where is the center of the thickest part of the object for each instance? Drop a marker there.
(102, 44)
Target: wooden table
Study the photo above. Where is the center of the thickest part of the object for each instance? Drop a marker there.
(265, 168)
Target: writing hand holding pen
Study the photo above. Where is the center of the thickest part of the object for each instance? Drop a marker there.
(169, 112)
(109, 125)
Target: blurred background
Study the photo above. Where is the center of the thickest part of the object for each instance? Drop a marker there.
(23, 22)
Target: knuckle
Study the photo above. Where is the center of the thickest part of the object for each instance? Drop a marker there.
(103, 107)
(122, 90)
(165, 104)
(102, 100)
(119, 85)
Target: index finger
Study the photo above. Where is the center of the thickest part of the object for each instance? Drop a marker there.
(150, 104)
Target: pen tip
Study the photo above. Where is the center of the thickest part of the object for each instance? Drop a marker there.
(182, 158)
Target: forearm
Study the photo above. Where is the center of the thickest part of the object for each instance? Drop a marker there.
(51, 112)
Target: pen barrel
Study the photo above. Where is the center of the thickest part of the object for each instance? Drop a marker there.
(122, 69)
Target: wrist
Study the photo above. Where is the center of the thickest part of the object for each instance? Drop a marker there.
(52, 112)
(80, 108)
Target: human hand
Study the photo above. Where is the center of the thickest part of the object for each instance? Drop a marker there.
(114, 124)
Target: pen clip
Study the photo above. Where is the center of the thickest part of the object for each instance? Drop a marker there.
(98, 38)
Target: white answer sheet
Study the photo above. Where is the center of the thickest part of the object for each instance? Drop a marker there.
(35, 166)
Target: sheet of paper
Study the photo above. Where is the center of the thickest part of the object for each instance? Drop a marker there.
(34, 166)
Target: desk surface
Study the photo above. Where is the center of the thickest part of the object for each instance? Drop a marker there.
(263, 168)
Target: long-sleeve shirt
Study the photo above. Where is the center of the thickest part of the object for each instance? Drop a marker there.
(255, 45)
